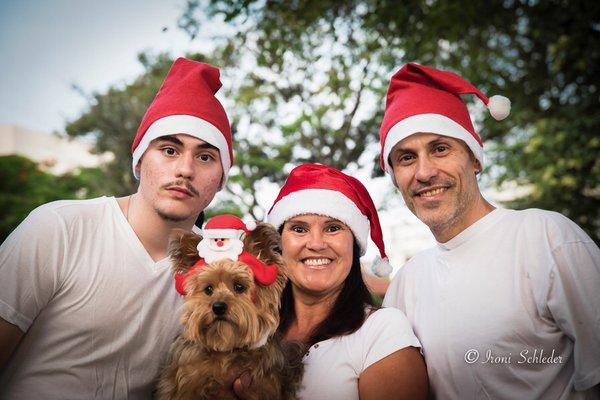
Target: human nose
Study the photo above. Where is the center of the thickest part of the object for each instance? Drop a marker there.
(185, 166)
(425, 169)
(316, 240)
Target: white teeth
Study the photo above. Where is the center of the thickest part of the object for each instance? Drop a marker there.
(317, 261)
(432, 192)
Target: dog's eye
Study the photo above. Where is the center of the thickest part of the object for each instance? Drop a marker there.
(239, 288)
(208, 290)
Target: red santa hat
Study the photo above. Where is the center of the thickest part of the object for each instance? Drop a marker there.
(226, 226)
(425, 99)
(323, 190)
(186, 103)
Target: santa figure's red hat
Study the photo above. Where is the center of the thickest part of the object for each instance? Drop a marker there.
(226, 226)
(186, 104)
(323, 190)
(426, 99)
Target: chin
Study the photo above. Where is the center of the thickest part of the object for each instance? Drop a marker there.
(433, 218)
(175, 215)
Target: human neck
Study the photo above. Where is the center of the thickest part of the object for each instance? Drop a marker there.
(152, 230)
(449, 230)
(310, 312)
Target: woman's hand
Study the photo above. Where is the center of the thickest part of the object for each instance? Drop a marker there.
(243, 388)
(401, 375)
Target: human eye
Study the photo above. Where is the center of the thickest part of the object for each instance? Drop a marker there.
(333, 228)
(441, 148)
(169, 151)
(404, 158)
(297, 229)
(206, 157)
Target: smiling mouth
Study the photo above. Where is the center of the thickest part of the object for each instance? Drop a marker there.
(317, 263)
(431, 192)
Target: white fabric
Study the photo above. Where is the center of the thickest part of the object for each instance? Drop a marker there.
(332, 367)
(330, 203)
(513, 282)
(433, 123)
(98, 312)
(189, 125)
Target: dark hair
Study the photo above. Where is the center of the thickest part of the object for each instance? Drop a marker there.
(199, 220)
(348, 312)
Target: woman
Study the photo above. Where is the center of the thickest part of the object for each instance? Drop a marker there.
(355, 349)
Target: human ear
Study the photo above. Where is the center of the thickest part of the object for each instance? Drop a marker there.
(478, 167)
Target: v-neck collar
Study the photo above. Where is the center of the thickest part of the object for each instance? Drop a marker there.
(136, 245)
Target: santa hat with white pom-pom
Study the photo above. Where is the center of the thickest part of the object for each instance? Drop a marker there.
(319, 189)
(426, 99)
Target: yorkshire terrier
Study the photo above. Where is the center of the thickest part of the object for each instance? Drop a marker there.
(230, 319)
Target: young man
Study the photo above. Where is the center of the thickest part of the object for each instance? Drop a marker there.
(87, 302)
(506, 306)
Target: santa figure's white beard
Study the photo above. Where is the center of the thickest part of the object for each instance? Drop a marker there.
(212, 253)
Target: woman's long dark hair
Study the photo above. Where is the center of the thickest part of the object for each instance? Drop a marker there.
(348, 311)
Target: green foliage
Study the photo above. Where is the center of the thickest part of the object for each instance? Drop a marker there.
(24, 186)
(305, 81)
(319, 70)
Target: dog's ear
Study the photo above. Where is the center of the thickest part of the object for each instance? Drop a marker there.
(182, 249)
(264, 242)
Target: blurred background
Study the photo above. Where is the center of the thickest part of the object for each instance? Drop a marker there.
(303, 81)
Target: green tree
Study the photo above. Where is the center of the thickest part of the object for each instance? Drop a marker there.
(316, 72)
(113, 117)
(24, 185)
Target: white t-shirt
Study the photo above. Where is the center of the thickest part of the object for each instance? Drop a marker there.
(332, 367)
(98, 312)
(507, 309)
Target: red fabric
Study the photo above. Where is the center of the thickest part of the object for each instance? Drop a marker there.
(188, 89)
(225, 221)
(317, 176)
(417, 89)
(263, 273)
(180, 278)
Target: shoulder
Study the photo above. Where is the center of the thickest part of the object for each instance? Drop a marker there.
(57, 217)
(389, 319)
(416, 264)
(68, 209)
(545, 225)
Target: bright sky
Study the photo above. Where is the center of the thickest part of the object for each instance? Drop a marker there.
(47, 46)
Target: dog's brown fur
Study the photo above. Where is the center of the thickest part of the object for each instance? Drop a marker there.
(213, 350)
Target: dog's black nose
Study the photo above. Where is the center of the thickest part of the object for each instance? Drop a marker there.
(219, 308)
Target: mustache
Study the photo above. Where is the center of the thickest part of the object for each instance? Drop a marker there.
(182, 183)
(433, 183)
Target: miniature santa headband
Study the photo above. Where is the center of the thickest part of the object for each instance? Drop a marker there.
(425, 99)
(186, 104)
(323, 190)
(227, 228)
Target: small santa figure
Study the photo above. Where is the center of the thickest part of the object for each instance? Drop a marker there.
(223, 237)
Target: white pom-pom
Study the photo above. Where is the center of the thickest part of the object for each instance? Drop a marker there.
(381, 267)
(499, 107)
(250, 225)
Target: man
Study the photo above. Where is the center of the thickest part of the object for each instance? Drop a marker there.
(506, 306)
(87, 301)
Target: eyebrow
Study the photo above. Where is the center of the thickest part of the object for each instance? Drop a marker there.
(174, 140)
(328, 221)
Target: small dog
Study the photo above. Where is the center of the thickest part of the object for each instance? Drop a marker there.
(230, 320)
